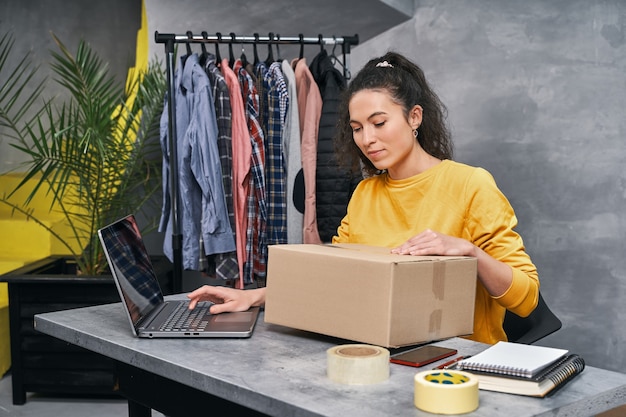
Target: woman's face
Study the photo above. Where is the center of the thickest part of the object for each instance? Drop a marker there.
(382, 132)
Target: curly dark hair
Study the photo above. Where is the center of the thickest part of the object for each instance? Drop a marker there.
(407, 85)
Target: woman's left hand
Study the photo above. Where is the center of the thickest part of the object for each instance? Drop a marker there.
(430, 242)
(495, 275)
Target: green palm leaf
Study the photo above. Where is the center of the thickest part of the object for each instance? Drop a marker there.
(96, 153)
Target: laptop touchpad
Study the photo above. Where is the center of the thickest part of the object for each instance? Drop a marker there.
(238, 317)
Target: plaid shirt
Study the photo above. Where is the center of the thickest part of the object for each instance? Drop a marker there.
(277, 99)
(256, 245)
(226, 266)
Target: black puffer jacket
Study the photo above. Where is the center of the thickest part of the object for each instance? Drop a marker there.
(334, 186)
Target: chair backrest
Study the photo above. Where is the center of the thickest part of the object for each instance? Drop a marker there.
(540, 323)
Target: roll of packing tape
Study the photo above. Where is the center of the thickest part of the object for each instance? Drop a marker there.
(446, 392)
(357, 364)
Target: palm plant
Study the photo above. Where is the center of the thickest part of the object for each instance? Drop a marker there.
(96, 153)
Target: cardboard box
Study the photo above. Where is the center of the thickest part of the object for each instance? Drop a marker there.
(367, 295)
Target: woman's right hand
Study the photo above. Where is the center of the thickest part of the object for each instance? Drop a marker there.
(226, 299)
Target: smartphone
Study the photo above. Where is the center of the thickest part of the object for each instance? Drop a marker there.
(422, 355)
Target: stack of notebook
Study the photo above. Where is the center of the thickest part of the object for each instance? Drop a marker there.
(521, 369)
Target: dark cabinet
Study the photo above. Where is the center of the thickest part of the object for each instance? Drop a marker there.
(42, 363)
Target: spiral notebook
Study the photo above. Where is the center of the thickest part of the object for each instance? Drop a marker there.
(547, 382)
(514, 359)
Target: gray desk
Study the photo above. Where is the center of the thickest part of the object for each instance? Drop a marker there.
(281, 372)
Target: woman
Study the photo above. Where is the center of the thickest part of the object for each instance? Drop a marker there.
(415, 199)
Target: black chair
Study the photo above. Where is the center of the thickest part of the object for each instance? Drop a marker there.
(540, 323)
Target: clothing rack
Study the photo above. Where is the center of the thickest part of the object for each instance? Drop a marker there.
(169, 40)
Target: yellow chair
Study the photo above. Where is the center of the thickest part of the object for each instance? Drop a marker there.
(5, 341)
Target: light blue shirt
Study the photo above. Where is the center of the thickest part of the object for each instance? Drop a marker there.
(202, 200)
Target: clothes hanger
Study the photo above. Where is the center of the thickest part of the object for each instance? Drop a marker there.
(243, 57)
(332, 56)
(278, 57)
(301, 36)
(334, 60)
(218, 56)
(256, 55)
(205, 53)
(231, 55)
(270, 54)
(188, 46)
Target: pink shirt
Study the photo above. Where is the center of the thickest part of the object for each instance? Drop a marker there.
(310, 111)
(242, 154)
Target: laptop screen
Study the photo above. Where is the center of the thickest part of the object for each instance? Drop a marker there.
(131, 266)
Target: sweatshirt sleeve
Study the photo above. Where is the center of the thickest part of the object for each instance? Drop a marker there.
(492, 224)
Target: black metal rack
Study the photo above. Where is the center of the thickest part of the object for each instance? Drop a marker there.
(169, 40)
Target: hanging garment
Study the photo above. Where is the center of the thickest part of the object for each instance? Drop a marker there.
(277, 102)
(334, 186)
(182, 116)
(242, 154)
(256, 244)
(310, 110)
(225, 264)
(293, 160)
(203, 205)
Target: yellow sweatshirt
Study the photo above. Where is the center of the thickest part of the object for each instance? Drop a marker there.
(457, 200)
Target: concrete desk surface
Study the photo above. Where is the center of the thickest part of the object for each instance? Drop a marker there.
(282, 371)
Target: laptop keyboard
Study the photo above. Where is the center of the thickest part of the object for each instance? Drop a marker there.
(183, 319)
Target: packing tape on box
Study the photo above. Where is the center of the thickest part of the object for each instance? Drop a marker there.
(357, 364)
(446, 392)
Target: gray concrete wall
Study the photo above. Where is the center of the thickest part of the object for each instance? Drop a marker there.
(536, 94)
(110, 27)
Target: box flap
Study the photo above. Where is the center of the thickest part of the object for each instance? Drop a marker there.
(371, 253)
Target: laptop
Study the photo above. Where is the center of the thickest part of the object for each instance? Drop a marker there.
(150, 315)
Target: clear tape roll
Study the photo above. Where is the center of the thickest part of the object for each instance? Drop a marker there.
(357, 364)
(446, 392)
